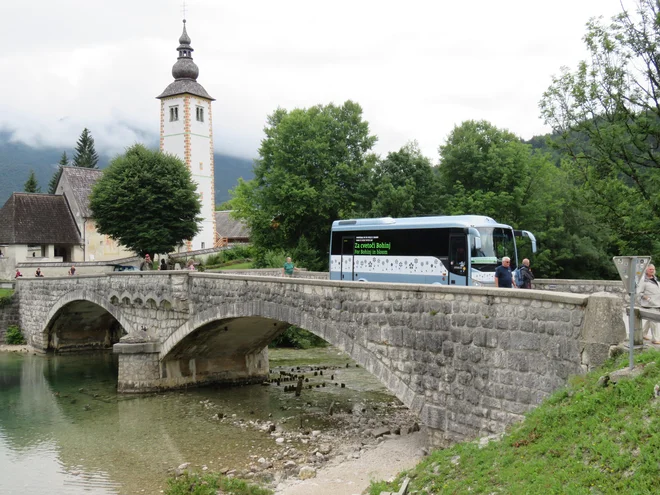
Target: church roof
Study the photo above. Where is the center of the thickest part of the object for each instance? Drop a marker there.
(28, 218)
(185, 72)
(181, 86)
(226, 226)
(81, 180)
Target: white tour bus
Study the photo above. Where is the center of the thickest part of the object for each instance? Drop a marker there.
(456, 250)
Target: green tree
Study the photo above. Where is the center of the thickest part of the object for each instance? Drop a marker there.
(85, 155)
(488, 171)
(608, 119)
(404, 185)
(31, 185)
(310, 167)
(52, 185)
(147, 201)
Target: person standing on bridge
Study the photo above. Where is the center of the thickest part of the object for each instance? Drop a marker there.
(503, 275)
(526, 275)
(648, 291)
(288, 268)
(146, 264)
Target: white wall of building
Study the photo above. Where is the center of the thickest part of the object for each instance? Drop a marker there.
(191, 140)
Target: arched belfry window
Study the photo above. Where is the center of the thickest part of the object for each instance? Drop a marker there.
(174, 113)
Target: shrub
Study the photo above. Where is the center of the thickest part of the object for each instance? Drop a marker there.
(239, 252)
(270, 258)
(5, 297)
(14, 336)
(212, 484)
(297, 338)
(214, 259)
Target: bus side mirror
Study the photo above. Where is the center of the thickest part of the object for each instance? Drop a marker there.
(476, 237)
(531, 237)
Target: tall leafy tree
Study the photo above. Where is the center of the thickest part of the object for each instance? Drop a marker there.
(310, 167)
(31, 185)
(147, 201)
(489, 171)
(404, 184)
(85, 155)
(607, 114)
(52, 185)
(486, 169)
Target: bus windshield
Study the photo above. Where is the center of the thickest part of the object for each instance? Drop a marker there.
(496, 242)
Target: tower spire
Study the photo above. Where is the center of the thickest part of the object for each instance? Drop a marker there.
(185, 71)
(185, 68)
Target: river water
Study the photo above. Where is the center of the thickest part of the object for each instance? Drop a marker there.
(65, 430)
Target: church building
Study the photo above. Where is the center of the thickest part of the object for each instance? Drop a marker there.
(186, 131)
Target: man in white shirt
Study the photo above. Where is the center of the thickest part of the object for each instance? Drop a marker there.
(648, 291)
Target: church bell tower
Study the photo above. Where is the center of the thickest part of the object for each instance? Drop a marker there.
(186, 131)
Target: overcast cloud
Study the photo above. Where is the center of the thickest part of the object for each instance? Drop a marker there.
(418, 68)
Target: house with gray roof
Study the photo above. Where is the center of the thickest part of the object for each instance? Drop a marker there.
(230, 230)
(76, 185)
(37, 226)
(55, 228)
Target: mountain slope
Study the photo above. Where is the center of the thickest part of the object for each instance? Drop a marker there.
(17, 159)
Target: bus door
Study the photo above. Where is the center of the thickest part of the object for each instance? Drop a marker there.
(347, 258)
(458, 262)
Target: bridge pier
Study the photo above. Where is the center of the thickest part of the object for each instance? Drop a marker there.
(141, 369)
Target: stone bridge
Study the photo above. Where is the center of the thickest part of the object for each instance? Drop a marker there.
(467, 360)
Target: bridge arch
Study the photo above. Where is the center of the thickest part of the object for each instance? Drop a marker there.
(274, 318)
(85, 308)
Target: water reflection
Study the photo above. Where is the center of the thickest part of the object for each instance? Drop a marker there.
(64, 429)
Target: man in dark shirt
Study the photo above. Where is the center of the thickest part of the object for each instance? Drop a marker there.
(503, 276)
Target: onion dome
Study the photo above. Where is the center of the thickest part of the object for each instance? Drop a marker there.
(185, 71)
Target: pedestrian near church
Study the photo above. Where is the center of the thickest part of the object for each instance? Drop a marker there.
(18, 273)
(72, 270)
(288, 268)
(163, 264)
(503, 275)
(648, 292)
(38, 273)
(526, 275)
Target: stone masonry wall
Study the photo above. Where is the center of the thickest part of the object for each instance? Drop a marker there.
(468, 360)
(614, 287)
(8, 317)
(145, 305)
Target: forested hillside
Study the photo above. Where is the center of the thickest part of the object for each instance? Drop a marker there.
(17, 159)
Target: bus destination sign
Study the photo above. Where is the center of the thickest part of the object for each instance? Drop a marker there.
(370, 246)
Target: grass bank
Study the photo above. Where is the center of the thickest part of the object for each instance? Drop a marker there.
(6, 292)
(238, 265)
(589, 438)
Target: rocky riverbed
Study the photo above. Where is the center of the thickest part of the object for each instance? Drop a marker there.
(316, 432)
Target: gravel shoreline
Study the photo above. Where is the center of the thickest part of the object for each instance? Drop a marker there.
(349, 475)
(14, 348)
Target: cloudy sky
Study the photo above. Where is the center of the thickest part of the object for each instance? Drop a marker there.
(418, 68)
